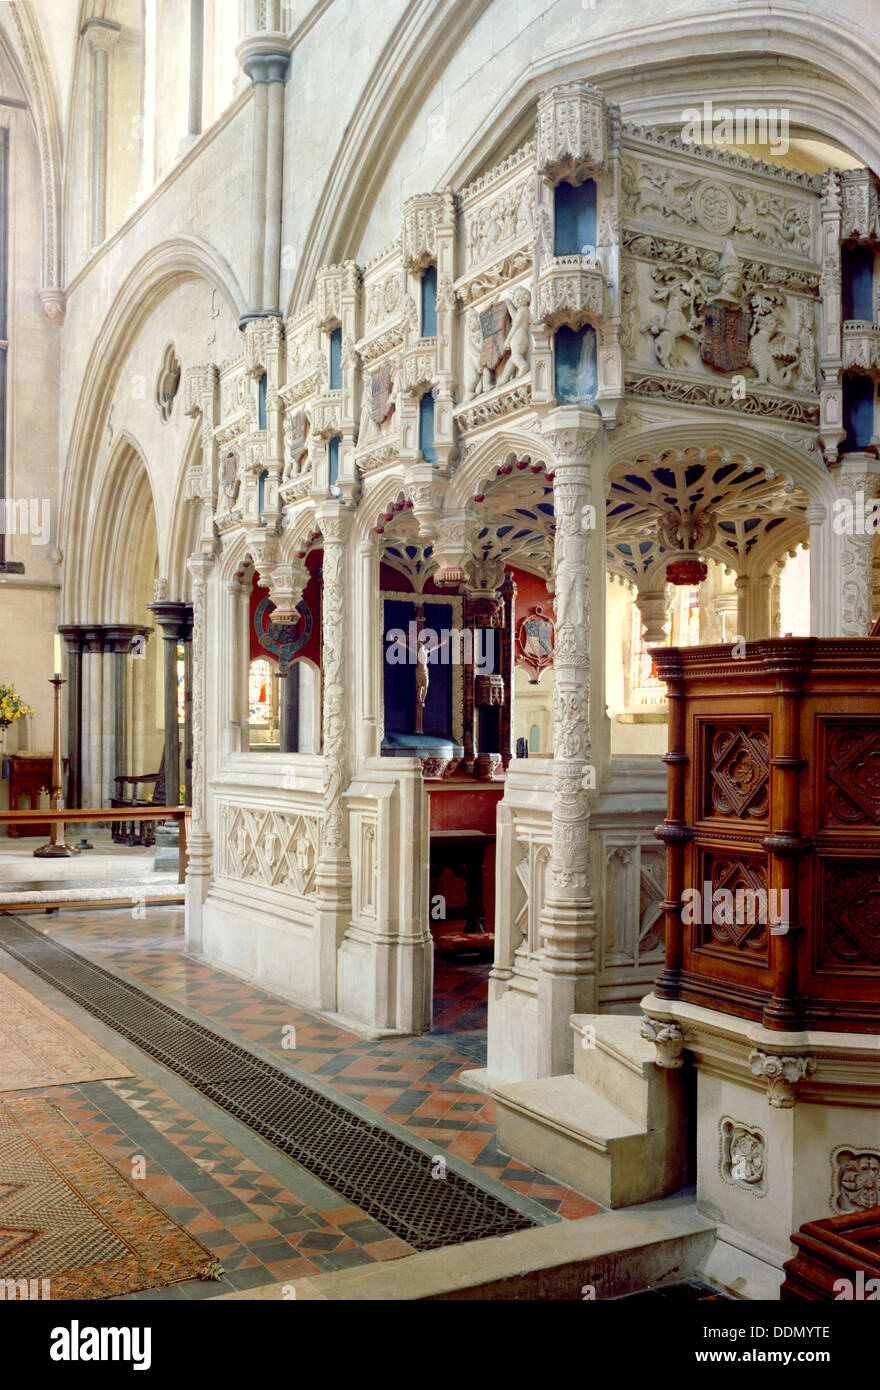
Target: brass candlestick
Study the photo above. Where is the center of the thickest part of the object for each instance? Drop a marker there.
(57, 848)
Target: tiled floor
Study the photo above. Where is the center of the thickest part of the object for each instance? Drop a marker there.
(411, 1081)
(260, 1230)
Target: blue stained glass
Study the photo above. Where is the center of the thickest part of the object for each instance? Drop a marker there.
(336, 360)
(575, 219)
(577, 379)
(426, 428)
(429, 302)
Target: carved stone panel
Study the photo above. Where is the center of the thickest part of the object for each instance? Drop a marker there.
(269, 848)
(743, 1157)
(855, 1179)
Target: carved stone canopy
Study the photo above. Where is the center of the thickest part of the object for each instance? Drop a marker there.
(572, 133)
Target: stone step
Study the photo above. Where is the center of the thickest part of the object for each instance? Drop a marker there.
(612, 1057)
(564, 1127)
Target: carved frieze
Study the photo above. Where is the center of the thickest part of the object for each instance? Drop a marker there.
(271, 848)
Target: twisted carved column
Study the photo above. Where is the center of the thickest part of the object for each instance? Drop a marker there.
(199, 842)
(857, 481)
(333, 870)
(567, 980)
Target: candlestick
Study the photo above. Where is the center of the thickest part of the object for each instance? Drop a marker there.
(56, 848)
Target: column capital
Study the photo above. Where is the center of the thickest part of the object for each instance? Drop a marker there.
(334, 521)
(100, 34)
(265, 57)
(171, 617)
(118, 637)
(572, 434)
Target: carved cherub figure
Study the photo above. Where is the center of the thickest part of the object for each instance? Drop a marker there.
(518, 338)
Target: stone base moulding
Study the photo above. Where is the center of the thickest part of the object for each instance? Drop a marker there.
(787, 1126)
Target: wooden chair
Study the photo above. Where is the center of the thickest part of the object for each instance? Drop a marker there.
(124, 832)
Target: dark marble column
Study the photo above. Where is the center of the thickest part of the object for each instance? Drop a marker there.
(122, 640)
(289, 710)
(73, 639)
(186, 637)
(172, 619)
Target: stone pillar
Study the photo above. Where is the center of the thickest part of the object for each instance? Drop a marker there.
(172, 618)
(186, 639)
(119, 642)
(196, 66)
(858, 476)
(652, 606)
(92, 715)
(371, 646)
(265, 58)
(333, 871)
(743, 607)
(73, 637)
(199, 842)
(101, 35)
(289, 709)
(567, 971)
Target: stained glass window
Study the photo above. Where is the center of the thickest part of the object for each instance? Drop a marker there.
(260, 691)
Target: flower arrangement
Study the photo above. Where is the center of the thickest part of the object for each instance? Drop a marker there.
(12, 706)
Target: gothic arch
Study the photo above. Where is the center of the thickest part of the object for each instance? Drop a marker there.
(162, 269)
(123, 543)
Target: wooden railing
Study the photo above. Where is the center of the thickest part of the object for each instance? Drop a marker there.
(73, 816)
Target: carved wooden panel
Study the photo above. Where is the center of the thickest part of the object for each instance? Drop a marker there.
(737, 764)
(736, 917)
(849, 914)
(852, 773)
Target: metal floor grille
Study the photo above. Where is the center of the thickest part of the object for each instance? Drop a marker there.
(383, 1175)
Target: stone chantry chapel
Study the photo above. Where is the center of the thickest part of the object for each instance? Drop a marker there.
(443, 435)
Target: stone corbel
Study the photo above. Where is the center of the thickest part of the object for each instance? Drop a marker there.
(424, 215)
(783, 1074)
(54, 302)
(669, 1040)
(286, 588)
(453, 548)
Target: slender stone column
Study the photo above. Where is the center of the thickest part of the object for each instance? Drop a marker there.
(858, 476)
(186, 639)
(333, 871)
(743, 607)
(567, 971)
(92, 715)
(172, 618)
(265, 57)
(289, 709)
(199, 841)
(119, 642)
(101, 35)
(371, 645)
(73, 637)
(196, 65)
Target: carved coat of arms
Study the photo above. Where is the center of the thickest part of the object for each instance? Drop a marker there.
(381, 393)
(299, 429)
(536, 636)
(725, 341)
(494, 326)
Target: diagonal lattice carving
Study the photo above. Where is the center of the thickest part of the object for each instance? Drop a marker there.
(270, 847)
(853, 770)
(740, 772)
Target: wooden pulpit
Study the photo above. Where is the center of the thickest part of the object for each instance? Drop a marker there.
(774, 798)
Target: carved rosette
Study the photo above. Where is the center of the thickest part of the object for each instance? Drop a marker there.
(335, 527)
(783, 1074)
(572, 133)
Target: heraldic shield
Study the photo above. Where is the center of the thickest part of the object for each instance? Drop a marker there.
(725, 342)
(380, 394)
(494, 326)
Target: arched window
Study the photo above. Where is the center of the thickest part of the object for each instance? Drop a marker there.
(429, 302)
(333, 463)
(262, 703)
(858, 412)
(574, 218)
(261, 403)
(576, 376)
(857, 282)
(336, 360)
(426, 428)
(534, 739)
